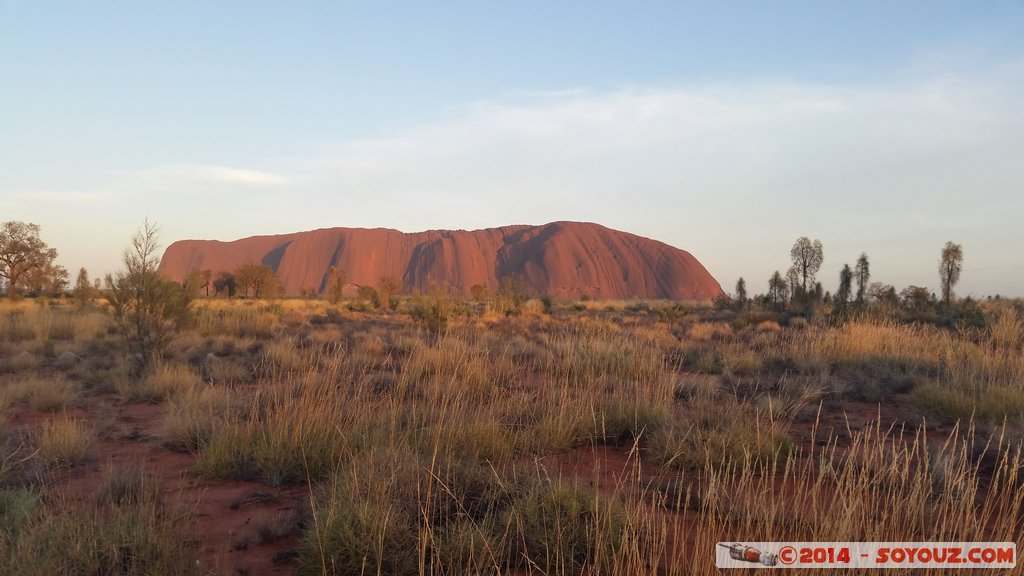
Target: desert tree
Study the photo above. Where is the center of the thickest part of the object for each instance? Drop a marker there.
(741, 293)
(917, 299)
(842, 296)
(259, 278)
(368, 296)
(272, 287)
(387, 287)
(433, 310)
(334, 284)
(883, 293)
(950, 264)
(207, 277)
(83, 292)
(511, 295)
(146, 307)
(478, 292)
(23, 254)
(224, 284)
(793, 282)
(198, 280)
(777, 289)
(879, 291)
(51, 278)
(862, 272)
(248, 277)
(807, 258)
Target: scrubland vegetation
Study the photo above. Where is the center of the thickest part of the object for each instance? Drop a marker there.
(492, 435)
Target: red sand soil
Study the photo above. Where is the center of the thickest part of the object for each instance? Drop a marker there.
(560, 259)
(231, 519)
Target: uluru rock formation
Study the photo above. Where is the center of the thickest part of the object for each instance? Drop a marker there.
(560, 259)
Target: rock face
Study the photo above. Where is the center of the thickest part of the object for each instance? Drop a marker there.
(561, 259)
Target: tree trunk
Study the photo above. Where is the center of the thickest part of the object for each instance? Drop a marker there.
(11, 282)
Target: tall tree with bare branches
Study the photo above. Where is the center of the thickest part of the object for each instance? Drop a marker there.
(950, 264)
(807, 257)
(147, 307)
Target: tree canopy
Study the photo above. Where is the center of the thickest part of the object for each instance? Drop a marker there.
(807, 259)
(259, 278)
(950, 264)
(25, 259)
(862, 272)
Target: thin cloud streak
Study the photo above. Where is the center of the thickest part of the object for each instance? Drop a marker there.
(731, 172)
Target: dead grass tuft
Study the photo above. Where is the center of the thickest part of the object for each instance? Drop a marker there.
(64, 441)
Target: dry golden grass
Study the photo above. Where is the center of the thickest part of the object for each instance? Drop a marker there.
(243, 319)
(1007, 331)
(50, 322)
(290, 432)
(161, 382)
(875, 340)
(931, 492)
(707, 331)
(283, 356)
(49, 393)
(64, 441)
(19, 357)
(40, 392)
(194, 413)
(436, 451)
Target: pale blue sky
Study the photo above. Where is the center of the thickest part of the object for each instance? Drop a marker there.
(727, 129)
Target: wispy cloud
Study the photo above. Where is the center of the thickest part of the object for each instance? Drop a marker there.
(732, 172)
(188, 178)
(240, 176)
(793, 141)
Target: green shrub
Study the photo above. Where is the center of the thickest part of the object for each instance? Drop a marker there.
(147, 307)
(433, 311)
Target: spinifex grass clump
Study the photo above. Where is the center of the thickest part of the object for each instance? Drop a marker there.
(64, 441)
(595, 353)
(564, 527)
(195, 412)
(396, 512)
(40, 392)
(126, 528)
(163, 381)
(290, 432)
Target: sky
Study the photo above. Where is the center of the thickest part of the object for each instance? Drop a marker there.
(727, 129)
